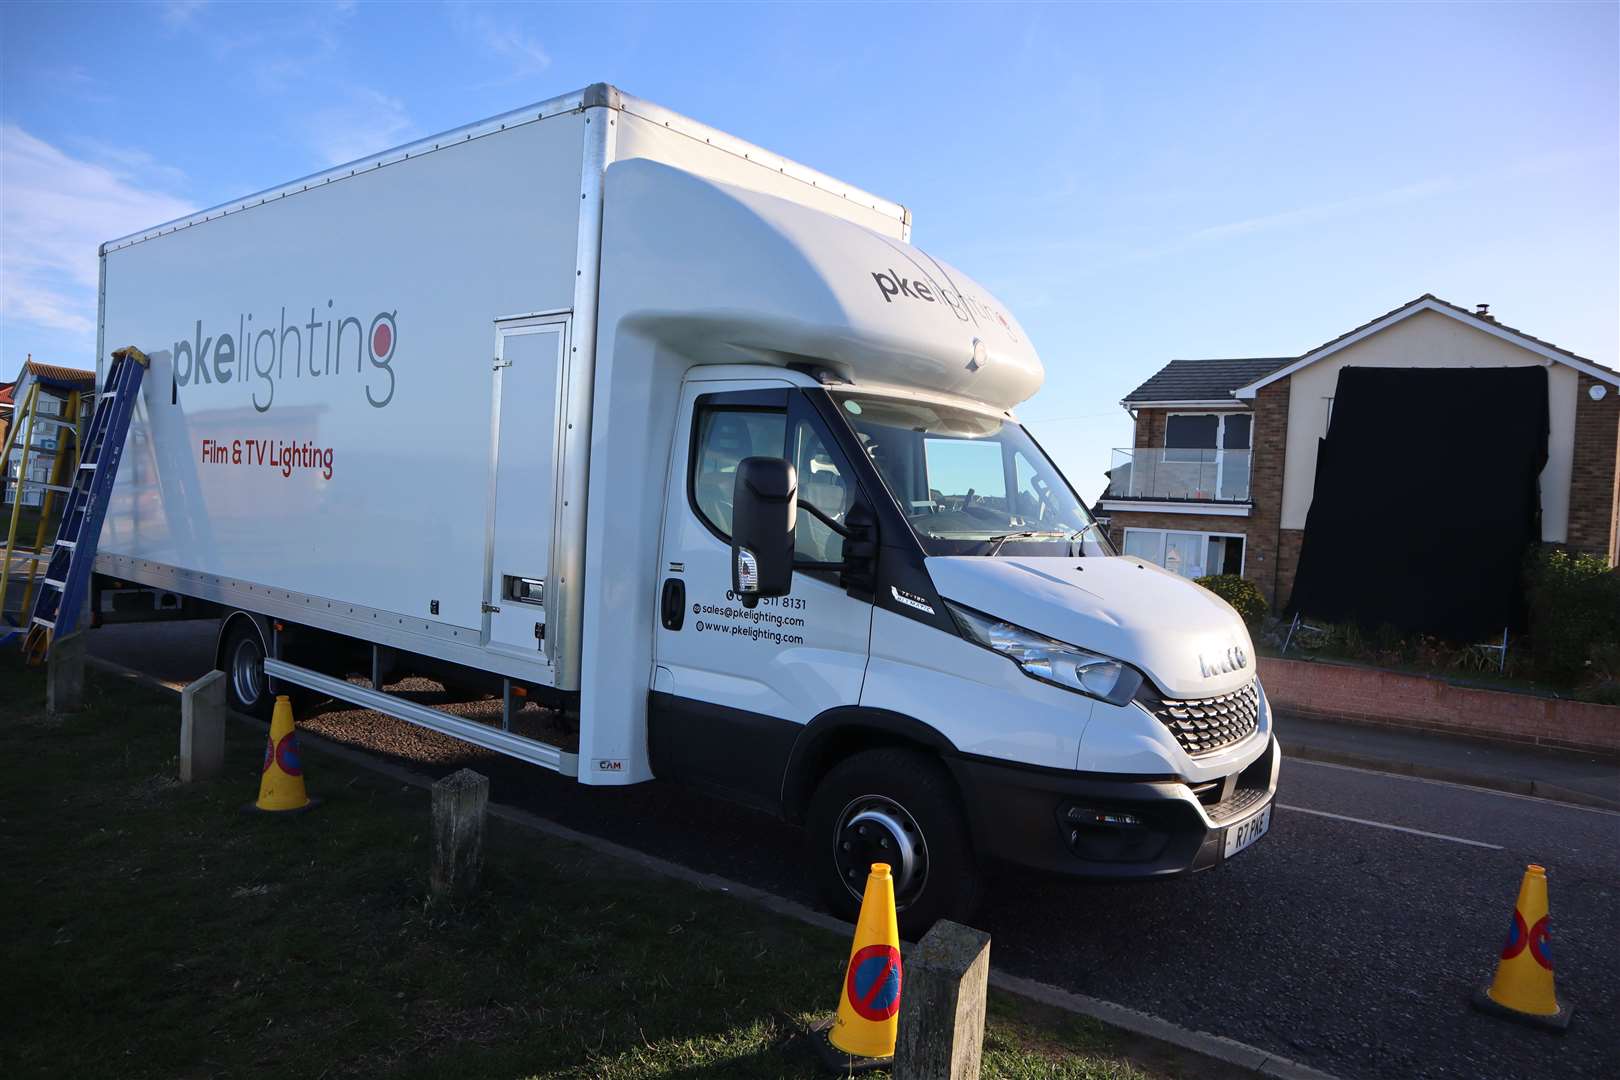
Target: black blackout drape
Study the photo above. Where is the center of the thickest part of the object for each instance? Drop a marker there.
(1426, 498)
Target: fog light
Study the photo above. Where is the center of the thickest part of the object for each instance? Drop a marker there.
(1084, 815)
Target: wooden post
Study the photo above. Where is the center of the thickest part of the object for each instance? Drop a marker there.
(202, 728)
(458, 833)
(941, 1032)
(64, 675)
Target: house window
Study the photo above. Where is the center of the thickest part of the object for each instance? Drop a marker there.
(1208, 453)
(1192, 435)
(1190, 554)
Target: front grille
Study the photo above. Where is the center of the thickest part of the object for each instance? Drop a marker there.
(1204, 725)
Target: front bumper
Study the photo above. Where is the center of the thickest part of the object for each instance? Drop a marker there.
(1100, 826)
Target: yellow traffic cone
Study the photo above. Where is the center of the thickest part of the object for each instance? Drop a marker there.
(1523, 987)
(869, 1002)
(281, 788)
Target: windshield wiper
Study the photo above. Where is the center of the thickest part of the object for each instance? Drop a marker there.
(995, 542)
(1076, 535)
(1072, 535)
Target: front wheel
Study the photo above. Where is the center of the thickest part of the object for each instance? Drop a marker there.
(898, 807)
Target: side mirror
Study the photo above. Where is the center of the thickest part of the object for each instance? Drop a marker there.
(764, 511)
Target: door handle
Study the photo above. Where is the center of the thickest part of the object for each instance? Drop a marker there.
(672, 607)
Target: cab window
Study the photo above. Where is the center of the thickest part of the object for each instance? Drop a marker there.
(724, 437)
(823, 485)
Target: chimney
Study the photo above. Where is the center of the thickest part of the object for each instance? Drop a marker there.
(1484, 312)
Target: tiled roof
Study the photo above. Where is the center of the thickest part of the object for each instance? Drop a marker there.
(1205, 380)
(56, 373)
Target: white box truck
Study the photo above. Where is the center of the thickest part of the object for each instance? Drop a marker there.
(591, 403)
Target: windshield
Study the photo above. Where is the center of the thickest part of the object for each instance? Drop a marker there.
(970, 484)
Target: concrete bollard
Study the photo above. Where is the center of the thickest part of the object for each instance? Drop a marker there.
(64, 675)
(202, 728)
(941, 1033)
(458, 834)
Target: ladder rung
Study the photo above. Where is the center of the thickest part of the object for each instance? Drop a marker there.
(53, 583)
(46, 623)
(69, 544)
(87, 464)
(41, 484)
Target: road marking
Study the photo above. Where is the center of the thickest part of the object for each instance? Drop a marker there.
(1395, 828)
(1294, 762)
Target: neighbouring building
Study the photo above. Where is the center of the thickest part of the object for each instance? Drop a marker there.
(50, 425)
(1224, 470)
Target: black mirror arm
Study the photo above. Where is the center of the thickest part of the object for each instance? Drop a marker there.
(816, 513)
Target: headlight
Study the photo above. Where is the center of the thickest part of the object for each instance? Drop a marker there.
(1055, 662)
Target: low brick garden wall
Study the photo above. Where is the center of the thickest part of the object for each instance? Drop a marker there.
(1370, 695)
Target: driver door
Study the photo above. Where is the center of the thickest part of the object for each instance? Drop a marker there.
(732, 685)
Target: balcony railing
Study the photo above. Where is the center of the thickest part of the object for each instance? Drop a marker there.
(1188, 475)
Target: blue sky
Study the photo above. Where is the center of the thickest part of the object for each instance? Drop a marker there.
(1137, 182)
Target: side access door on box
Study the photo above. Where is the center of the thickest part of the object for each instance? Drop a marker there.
(732, 685)
(522, 496)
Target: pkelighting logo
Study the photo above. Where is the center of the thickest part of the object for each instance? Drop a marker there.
(317, 349)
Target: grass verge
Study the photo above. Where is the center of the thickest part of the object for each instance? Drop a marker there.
(155, 929)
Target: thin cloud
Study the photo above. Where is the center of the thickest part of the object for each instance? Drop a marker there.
(276, 53)
(1310, 215)
(524, 54)
(57, 211)
(366, 123)
(179, 13)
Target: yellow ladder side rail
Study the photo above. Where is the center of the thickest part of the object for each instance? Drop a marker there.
(17, 491)
(62, 475)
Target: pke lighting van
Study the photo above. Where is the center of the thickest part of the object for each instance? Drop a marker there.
(592, 406)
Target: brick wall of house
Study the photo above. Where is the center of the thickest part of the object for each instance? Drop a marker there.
(1266, 490)
(1594, 489)
(1289, 541)
(1150, 426)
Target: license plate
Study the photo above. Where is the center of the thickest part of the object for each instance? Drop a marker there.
(1244, 833)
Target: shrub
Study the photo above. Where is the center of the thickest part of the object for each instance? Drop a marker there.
(1243, 594)
(1574, 605)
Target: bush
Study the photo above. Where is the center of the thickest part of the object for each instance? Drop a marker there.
(1574, 605)
(1243, 594)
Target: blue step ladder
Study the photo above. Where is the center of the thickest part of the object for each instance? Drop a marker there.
(67, 576)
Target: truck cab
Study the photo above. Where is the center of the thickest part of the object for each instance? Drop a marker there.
(953, 668)
(878, 607)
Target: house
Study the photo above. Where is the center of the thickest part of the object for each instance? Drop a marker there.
(50, 424)
(6, 393)
(1224, 471)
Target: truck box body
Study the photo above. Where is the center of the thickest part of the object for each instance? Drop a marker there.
(692, 443)
(317, 425)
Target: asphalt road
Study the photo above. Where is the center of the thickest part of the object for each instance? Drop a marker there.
(1349, 945)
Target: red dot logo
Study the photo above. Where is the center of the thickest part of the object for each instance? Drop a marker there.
(382, 339)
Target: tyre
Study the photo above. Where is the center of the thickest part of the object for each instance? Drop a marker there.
(898, 807)
(247, 689)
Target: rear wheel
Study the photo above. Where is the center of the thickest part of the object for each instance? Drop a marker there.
(898, 807)
(247, 689)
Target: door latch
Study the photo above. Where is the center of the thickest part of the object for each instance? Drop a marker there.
(489, 608)
(672, 606)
